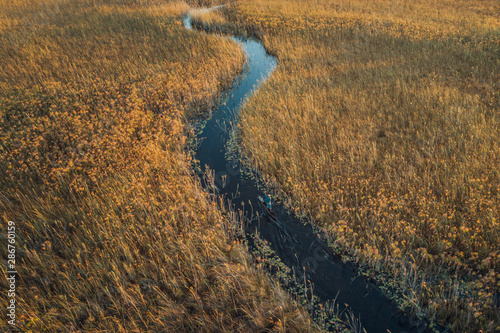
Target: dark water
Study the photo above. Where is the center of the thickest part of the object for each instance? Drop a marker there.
(296, 243)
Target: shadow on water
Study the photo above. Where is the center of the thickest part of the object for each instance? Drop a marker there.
(304, 248)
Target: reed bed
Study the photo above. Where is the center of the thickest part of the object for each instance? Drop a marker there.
(381, 124)
(114, 232)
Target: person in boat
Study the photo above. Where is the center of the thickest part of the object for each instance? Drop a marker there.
(266, 204)
(268, 201)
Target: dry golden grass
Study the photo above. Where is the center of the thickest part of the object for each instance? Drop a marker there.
(382, 124)
(113, 230)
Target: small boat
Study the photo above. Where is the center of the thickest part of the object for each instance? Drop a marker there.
(268, 212)
(272, 217)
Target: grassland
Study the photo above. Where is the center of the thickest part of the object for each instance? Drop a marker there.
(113, 230)
(382, 124)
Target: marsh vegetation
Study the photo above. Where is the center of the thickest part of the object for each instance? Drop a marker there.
(114, 232)
(381, 124)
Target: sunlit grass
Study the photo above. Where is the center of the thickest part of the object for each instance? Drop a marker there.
(382, 124)
(113, 231)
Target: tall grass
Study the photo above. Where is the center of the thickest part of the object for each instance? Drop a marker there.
(382, 125)
(113, 230)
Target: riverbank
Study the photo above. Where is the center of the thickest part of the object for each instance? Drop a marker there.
(113, 230)
(381, 125)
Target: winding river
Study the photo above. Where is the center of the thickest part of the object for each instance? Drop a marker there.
(295, 242)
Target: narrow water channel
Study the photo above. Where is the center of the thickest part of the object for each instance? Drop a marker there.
(296, 243)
